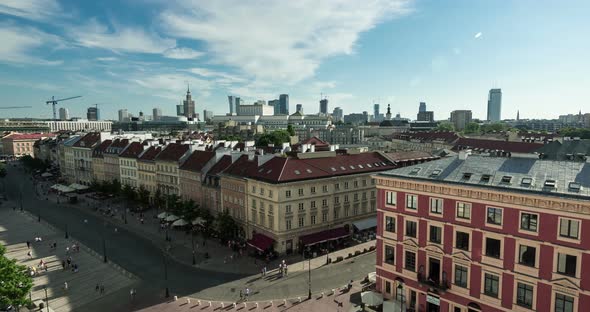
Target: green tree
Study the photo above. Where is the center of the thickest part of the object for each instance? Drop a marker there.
(143, 195)
(277, 138)
(2, 170)
(15, 283)
(471, 128)
(158, 199)
(174, 204)
(115, 187)
(129, 192)
(494, 127)
(290, 130)
(189, 210)
(226, 226)
(445, 126)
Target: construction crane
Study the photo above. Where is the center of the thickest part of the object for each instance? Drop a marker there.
(14, 107)
(53, 102)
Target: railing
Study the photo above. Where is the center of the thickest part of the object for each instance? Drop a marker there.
(441, 286)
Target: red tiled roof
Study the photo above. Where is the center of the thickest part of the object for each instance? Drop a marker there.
(221, 165)
(172, 152)
(242, 167)
(89, 140)
(117, 146)
(507, 146)
(132, 151)
(28, 136)
(101, 148)
(150, 153)
(315, 141)
(197, 160)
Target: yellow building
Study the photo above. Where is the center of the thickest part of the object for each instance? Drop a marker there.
(128, 164)
(98, 173)
(111, 159)
(167, 164)
(82, 151)
(191, 172)
(146, 169)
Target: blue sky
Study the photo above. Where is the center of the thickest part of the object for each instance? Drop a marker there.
(139, 54)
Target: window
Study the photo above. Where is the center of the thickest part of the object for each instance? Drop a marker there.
(301, 221)
(436, 205)
(389, 255)
(336, 213)
(345, 185)
(313, 189)
(524, 295)
(411, 261)
(313, 204)
(346, 198)
(336, 200)
(493, 247)
(411, 229)
(390, 224)
(491, 284)
(269, 193)
(391, 198)
(300, 192)
(288, 209)
(566, 264)
(254, 203)
(564, 303)
(356, 184)
(301, 207)
(324, 203)
(461, 276)
(528, 222)
(288, 194)
(325, 216)
(464, 211)
(494, 216)
(435, 234)
(356, 197)
(462, 240)
(288, 224)
(412, 202)
(313, 220)
(253, 189)
(325, 188)
(527, 255)
(337, 186)
(568, 228)
(387, 287)
(261, 191)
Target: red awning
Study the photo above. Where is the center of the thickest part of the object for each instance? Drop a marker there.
(260, 241)
(324, 236)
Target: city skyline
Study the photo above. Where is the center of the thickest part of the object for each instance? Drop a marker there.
(386, 52)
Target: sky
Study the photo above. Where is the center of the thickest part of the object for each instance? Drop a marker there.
(141, 54)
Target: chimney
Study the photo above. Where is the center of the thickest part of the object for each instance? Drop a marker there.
(312, 148)
(463, 154)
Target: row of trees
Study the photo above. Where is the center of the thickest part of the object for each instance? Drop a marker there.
(33, 163)
(583, 133)
(277, 137)
(15, 283)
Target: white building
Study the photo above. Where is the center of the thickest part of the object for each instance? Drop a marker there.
(79, 125)
(258, 108)
(123, 115)
(64, 113)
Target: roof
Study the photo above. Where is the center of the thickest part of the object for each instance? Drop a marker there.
(289, 169)
(410, 155)
(116, 146)
(242, 167)
(507, 146)
(315, 141)
(101, 148)
(493, 172)
(172, 152)
(557, 150)
(221, 165)
(445, 136)
(150, 153)
(89, 140)
(132, 151)
(71, 140)
(197, 160)
(28, 136)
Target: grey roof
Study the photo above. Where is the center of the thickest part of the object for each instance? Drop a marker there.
(72, 140)
(475, 169)
(557, 150)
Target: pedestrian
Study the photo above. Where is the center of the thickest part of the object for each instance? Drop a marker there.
(241, 295)
(247, 293)
(63, 264)
(97, 288)
(29, 254)
(28, 244)
(264, 270)
(67, 250)
(102, 289)
(66, 286)
(131, 294)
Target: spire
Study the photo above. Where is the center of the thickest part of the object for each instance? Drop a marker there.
(188, 89)
(518, 115)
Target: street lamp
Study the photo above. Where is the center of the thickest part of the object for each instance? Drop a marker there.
(309, 273)
(125, 217)
(39, 216)
(193, 244)
(104, 250)
(67, 236)
(401, 297)
(46, 299)
(166, 275)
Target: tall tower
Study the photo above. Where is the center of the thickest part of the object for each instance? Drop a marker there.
(64, 114)
(517, 115)
(495, 105)
(299, 108)
(284, 104)
(388, 115)
(189, 104)
(422, 107)
(376, 110)
(156, 114)
(324, 106)
(93, 113)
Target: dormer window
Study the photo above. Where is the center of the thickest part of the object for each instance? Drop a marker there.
(436, 172)
(297, 172)
(415, 170)
(550, 183)
(486, 178)
(574, 187)
(506, 179)
(467, 176)
(526, 181)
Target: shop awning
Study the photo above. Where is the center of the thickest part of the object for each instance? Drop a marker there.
(78, 187)
(260, 241)
(62, 188)
(365, 224)
(324, 236)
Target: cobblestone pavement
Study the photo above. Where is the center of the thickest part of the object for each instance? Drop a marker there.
(16, 228)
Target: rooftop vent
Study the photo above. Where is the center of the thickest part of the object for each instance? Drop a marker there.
(369, 165)
(436, 172)
(415, 170)
(506, 179)
(486, 178)
(352, 167)
(308, 170)
(297, 172)
(526, 181)
(361, 166)
(550, 184)
(333, 169)
(574, 187)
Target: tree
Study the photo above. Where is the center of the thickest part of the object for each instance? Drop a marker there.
(189, 210)
(290, 130)
(445, 126)
(158, 199)
(115, 187)
(129, 193)
(2, 170)
(33, 163)
(16, 282)
(143, 195)
(494, 127)
(277, 138)
(471, 128)
(226, 226)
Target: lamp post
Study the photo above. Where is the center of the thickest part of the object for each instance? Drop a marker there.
(46, 298)
(67, 236)
(39, 213)
(125, 216)
(166, 275)
(309, 274)
(193, 244)
(104, 250)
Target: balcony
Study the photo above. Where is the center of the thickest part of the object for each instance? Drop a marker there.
(433, 282)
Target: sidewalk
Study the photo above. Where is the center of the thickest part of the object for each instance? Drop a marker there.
(16, 228)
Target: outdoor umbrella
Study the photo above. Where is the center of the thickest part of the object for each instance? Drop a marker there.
(179, 222)
(198, 221)
(162, 215)
(171, 218)
(371, 299)
(372, 277)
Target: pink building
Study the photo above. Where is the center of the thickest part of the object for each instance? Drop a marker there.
(474, 233)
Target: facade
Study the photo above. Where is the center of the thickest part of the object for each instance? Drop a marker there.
(276, 106)
(146, 169)
(191, 175)
(83, 151)
(207, 115)
(357, 118)
(324, 106)
(299, 201)
(284, 104)
(425, 116)
(93, 114)
(234, 103)
(256, 109)
(189, 105)
(345, 135)
(211, 185)
(156, 114)
(474, 233)
(299, 108)
(79, 125)
(111, 159)
(19, 144)
(64, 113)
(98, 174)
(495, 105)
(338, 114)
(67, 162)
(460, 118)
(167, 163)
(123, 115)
(128, 164)
(422, 107)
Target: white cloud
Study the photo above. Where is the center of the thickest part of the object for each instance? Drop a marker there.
(31, 9)
(182, 53)
(283, 41)
(479, 34)
(120, 38)
(107, 59)
(18, 44)
(172, 86)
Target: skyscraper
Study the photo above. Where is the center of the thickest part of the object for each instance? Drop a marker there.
(422, 107)
(207, 115)
(64, 114)
(284, 104)
(189, 105)
(299, 108)
(460, 118)
(234, 103)
(495, 105)
(376, 110)
(180, 110)
(337, 114)
(324, 106)
(157, 113)
(93, 114)
(123, 115)
(276, 106)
